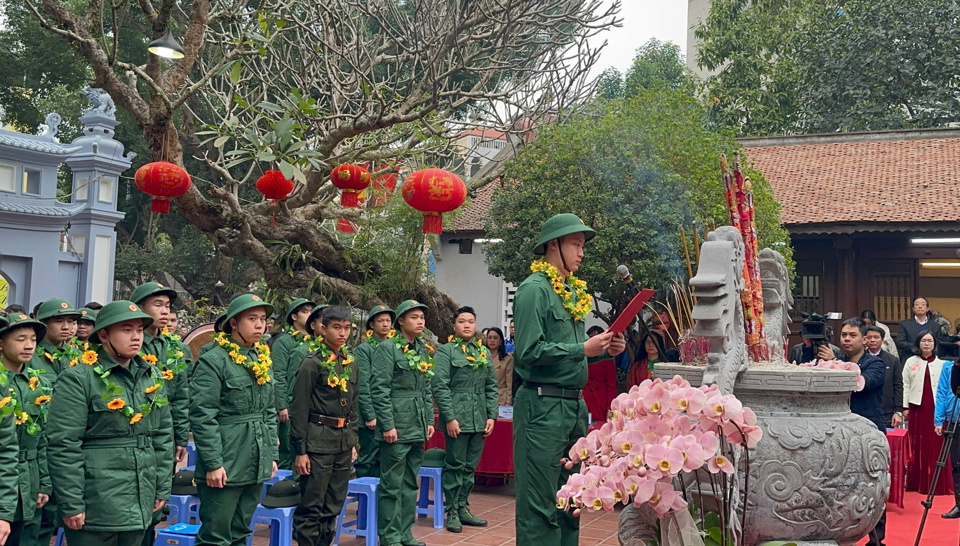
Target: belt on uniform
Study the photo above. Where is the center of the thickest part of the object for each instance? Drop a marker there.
(405, 394)
(240, 419)
(552, 391)
(475, 390)
(28, 455)
(140, 442)
(335, 422)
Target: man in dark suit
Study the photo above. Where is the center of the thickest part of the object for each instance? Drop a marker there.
(869, 401)
(911, 328)
(893, 382)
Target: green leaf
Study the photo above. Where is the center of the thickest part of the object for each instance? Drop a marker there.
(220, 141)
(235, 72)
(286, 169)
(266, 156)
(271, 107)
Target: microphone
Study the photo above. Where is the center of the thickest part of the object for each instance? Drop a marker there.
(627, 278)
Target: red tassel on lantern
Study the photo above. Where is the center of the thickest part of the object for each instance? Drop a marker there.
(162, 181)
(434, 192)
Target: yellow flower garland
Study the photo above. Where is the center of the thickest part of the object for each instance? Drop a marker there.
(578, 302)
(118, 404)
(259, 367)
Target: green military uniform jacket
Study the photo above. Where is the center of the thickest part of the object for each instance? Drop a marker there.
(401, 395)
(549, 343)
(167, 350)
(99, 463)
(9, 479)
(463, 393)
(51, 359)
(32, 467)
(364, 356)
(312, 394)
(286, 362)
(234, 420)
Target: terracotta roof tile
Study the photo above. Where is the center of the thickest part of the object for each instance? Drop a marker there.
(475, 214)
(844, 178)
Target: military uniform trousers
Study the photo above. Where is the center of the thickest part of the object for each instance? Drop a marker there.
(286, 449)
(226, 513)
(103, 538)
(368, 457)
(460, 464)
(26, 532)
(397, 497)
(545, 428)
(322, 493)
(49, 522)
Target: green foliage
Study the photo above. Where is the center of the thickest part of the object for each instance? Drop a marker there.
(802, 66)
(636, 170)
(656, 65)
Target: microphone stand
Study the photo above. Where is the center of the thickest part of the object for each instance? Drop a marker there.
(949, 436)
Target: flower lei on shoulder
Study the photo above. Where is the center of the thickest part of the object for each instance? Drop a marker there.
(174, 363)
(154, 392)
(577, 302)
(11, 402)
(328, 359)
(477, 354)
(416, 361)
(260, 367)
(298, 336)
(374, 340)
(69, 350)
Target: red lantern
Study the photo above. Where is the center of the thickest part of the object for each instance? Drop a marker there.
(162, 181)
(274, 186)
(433, 192)
(383, 188)
(351, 179)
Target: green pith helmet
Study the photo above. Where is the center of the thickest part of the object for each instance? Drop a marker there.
(379, 310)
(406, 307)
(434, 458)
(240, 304)
(20, 320)
(218, 323)
(56, 307)
(283, 494)
(296, 305)
(558, 226)
(87, 314)
(315, 314)
(117, 312)
(148, 289)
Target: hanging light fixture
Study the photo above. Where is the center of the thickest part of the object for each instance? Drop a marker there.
(166, 46)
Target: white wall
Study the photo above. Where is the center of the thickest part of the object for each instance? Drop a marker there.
(464, 277)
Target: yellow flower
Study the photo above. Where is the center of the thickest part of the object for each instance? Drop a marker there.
(391, 333)
(166, 331)
(241, 359)
(34, 381)
(471, 359)
(116, 404)
(136, 418)
(333, 357)
(49, 356)
(22, 418)
(150, 359)
(41, 400)
(233, 354)
(167, 374)
(262, 379)
(178, 354)
(153, 389)
(463, 348)
(343, 385)
(449, 338)
(429, 347)
(74, 362)
(332, 381)
(5, 400)
(369, 333)
(222, 341)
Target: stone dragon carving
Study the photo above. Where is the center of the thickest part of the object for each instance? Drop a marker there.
(101, 102)
(777, 302)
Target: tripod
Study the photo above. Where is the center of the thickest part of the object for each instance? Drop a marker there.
(949, 435)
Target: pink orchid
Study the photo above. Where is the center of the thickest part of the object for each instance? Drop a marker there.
(656, 400)
(720, 464)
(751, 435)
(623, 442)
(666, 499)
(598, 498)
(723, 407)
(581, 450)
(749, 417)
(678, 382)
(645, 489)
(664, 458)
(687, 400)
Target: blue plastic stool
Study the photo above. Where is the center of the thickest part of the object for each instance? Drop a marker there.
(183, 508)
(60, 536)
(426, 474)
(279, 476)
(280, 521)
(191, 453)
(181, 534)
(362, 491)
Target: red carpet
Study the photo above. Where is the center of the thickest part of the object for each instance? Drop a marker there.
(903, 523)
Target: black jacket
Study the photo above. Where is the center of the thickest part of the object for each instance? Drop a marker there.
(908, 332)
(869, 402)
(892, 385)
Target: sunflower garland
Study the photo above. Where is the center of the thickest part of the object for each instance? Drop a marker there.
(328, 359)
(68, 351)
(576, 301)
(477, 354)
(260, 367)
(416, 361)
(374, 340)
(113, 392)
(11, 404)
(298, 336)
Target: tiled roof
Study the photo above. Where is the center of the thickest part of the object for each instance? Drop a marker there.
(475, 214)
(63, 210)
(34, 143)
(895, 177)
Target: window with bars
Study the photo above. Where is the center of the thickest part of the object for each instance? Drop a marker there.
(806, 295)
(891, 297)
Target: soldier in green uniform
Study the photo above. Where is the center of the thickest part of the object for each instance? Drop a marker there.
(217, 328)
(163, 349)
(550, 354)
(9, 470)
(111, 436)
(465, 389)
(282, 347)
(26, 393)
(54, 354)
(323, 429)
(234, 421)
(85, 324)
(400, 388)
(379, 328)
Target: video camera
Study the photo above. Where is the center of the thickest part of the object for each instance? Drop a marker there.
(814, 327)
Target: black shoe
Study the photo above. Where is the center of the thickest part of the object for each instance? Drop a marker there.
(954, 513)
(414, 543)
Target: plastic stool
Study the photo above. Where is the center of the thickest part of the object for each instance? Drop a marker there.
(279, 476)
(181, 534)
(183, 508)
(426, 474)
(59, 537)
(362, 491)
(191, 453)
(280, 521)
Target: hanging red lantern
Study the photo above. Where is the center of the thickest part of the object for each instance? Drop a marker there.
(162, 181)
(383, 188)
(274, 186)
(351, 180)
(434, 192)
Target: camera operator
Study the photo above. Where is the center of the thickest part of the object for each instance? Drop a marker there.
(868, 402)
(943, 418)
(813, 349)
(893, 382)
